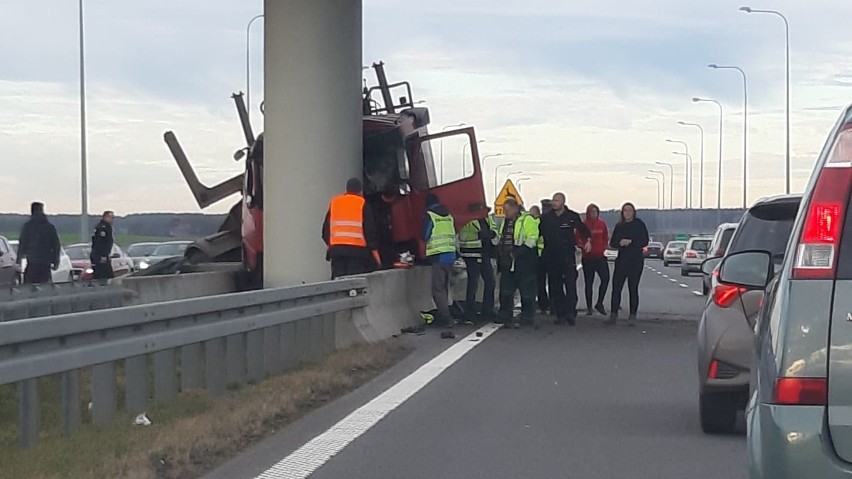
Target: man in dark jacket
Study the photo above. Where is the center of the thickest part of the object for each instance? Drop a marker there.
(558, 227)
(102, 243)
(39, 244)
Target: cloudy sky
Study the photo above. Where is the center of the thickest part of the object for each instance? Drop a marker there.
(579, 96)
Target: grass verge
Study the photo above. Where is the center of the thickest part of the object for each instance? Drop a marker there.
(196, 433)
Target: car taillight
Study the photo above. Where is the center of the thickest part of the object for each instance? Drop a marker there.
(725, 295)
(714, 369)
(817, 248)
(720, 252)
(691, 254)
(801, 392)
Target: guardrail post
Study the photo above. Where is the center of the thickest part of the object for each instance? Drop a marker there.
(190, 367)
(103, 394)
(235, 354)
(216, 380)
(136, 383)
(289, 352)
(272, 349)
(29, 413)
(254, 357)
(69, 391)
(328, 333)
(317, 328)
(165, 385)
(302, 338)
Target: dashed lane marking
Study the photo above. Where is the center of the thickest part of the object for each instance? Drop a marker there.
(310, 457)
(683, 285)
(673, 280)
(698, 293)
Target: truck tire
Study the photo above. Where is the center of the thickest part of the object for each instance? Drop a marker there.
(718, 412)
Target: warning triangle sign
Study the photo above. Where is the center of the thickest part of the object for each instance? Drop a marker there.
(508, 191)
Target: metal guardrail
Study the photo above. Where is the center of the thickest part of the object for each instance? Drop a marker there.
(207, 342)
(52, 299)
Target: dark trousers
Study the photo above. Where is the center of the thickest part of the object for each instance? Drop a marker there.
(103, 271)
(562, 277)
(350, 265)
(541, 277)
(631, 272)
(523, 280)
(598, 266)
(476, 268)
(441, 274)
(37, 274)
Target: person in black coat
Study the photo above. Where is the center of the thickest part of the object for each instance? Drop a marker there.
(102, 243)
(39, 244)
(630, 237)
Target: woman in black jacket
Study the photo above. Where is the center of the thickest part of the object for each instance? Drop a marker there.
(630, 237)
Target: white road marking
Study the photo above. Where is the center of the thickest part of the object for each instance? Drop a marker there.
(310, 457)
(579, 267)
(683, 285)
(698, 293)
(659, 273)
(673, 280)
(665, 276)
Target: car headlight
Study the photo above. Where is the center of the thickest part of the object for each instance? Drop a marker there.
(89, 271)
(143, 265)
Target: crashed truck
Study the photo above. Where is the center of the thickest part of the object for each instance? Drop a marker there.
(399, 170)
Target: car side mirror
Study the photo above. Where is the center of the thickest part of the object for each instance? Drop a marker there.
(709, 265)
(747, 269)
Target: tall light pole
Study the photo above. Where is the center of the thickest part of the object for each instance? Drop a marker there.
(701, 161)
(248, 64)
(687, 158)
(745, 127)
(659, 183)
(671, 181)
(464, 147)
(719, 171)
(658, 172)
(687, 172)
(458, 125)
(787, 33)
(84, 168)
(496, 170)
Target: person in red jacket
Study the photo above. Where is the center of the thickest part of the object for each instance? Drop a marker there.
(594, 260)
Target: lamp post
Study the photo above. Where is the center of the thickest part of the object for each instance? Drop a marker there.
(745, 126)
(659, 183)
(687, 173)
(84, 168)
(658, 172)
(464, 147)
(671, 181)
(458, 125)
(248, 63)
(719, 171)
(787, 34)
(496, 170)
(687, 159)
(701, 163)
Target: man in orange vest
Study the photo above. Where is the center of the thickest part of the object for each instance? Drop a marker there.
(349, 232)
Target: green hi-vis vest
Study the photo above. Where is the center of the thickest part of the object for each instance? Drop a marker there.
(469, 243)
(443, 238)
(540, 242)
(526, 231)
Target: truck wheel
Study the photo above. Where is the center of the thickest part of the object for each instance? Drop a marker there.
(718, 412)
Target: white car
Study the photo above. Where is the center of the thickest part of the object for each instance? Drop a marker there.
(62, 274)
(695, 254)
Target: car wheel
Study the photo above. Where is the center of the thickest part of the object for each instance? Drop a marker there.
(718, 412)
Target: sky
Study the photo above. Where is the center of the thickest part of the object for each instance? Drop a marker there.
(579, 96)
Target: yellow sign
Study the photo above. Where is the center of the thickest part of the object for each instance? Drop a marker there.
(508, 191)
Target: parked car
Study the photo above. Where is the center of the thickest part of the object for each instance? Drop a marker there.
(10, 274)
(673, 252)
(654, 250)
(169, 249)
(62, 274)
(798, 415)
(725, 333)
(82, 266)
(611, 254)
(694, 254)
(140, 253)
(718, 248)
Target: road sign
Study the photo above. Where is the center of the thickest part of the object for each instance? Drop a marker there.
(508, 191)
(681, 237)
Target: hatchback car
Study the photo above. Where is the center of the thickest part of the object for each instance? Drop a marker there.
(725, 333)
(170, 249)
(721, 240)
(654, 250)
(82, 265)
(694, 254)
(140, 253)
(673, 252)
(800, 414)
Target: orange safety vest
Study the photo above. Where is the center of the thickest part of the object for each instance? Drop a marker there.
(346, 221)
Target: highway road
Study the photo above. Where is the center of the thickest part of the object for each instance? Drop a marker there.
(560, 402)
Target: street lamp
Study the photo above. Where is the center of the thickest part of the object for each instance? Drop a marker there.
(719, 171)
(688, 159)
(745, 126)
(787, 32)
(84, 169)
(687, 173)
(659, 183)
(248, 63)
(671, 181)
(496, 170)
(657, 172)
(701, 161)
(464, 171)
(458, 125)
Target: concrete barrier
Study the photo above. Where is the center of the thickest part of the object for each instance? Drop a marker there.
(156, 289)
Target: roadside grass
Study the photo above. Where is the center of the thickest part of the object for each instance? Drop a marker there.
(191, 435)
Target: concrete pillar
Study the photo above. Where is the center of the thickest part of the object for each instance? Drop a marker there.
(312, 141)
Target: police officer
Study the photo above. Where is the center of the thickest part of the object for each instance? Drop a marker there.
(517, 241)
(102, 242)
(475, 246)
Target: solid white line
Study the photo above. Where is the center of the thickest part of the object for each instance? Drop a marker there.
(698, 293)
(683, 285)
(310, 457)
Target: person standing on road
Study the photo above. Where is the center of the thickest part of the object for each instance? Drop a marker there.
(39, 244)
(594, 259)
(439, 233)
(541, 267)
(517, 264)
(102, 243)
(475, 240)
(349, 232)
(559, 227)
(630, 236)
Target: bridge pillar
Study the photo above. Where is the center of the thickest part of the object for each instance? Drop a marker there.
(313, 139)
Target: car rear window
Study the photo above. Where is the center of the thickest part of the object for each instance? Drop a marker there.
(701, 245)
(725, 239)
(766, 227)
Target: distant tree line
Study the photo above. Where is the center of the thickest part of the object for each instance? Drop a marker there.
(166, 225)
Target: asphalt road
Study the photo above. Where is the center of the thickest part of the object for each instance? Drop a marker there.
(561, 402)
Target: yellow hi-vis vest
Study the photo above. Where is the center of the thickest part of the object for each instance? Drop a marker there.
(443, 239)
(526, 231)
(469, 243)
(540, 242)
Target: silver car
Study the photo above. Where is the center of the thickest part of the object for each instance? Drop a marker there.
(673, 252)
(799, 416)
(694, 254)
